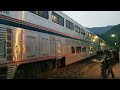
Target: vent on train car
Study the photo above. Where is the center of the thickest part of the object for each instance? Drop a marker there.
(2, 43)
(9, 44)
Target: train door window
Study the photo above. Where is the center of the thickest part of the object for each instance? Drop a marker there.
(2, 49)
(78, 49)
(73, 49)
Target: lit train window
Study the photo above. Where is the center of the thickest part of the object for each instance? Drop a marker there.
(57, 19)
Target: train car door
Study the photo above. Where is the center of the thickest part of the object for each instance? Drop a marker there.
(45, 45)
(30, 44)
(52, 45)
(58, 47)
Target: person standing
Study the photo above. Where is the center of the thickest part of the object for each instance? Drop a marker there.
(107, 65)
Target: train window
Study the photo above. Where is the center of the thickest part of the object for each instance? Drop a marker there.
(73, 49)
(78, 49)
(69, 25)
(43, 14)
(61, 21)
(57, 19)
(2, 49)
(84, 49)
(54, 18)
(82, 31)
(79, 29)
(76, 28)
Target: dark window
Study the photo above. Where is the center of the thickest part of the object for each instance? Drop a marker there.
(69, 25)
(43, 14)
(61, 20)
(78, 49)
(77, 29)
(57, 19)
(84, 49)
(73, 49)
(82, 31)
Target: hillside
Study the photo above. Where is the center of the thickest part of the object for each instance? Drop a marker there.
(107, 35)
(100, 30)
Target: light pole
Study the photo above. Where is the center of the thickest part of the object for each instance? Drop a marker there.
(113, 35)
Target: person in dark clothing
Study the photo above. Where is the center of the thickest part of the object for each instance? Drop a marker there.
(107, 64)
(116, 56)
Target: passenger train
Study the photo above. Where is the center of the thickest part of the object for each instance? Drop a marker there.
(32, 42)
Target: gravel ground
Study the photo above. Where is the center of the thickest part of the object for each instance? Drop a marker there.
(85, 69)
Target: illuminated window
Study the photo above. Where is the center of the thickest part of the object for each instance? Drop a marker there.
(54, 18)
(57, 19)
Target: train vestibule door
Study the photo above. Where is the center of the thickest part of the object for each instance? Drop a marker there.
(58, 47)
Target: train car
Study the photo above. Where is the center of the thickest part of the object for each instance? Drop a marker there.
(32, 42)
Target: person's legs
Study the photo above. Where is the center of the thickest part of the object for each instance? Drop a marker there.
(110, 71)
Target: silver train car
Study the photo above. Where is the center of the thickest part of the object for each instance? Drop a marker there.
(32, 42)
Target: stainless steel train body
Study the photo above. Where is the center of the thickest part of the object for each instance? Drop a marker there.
(32, 39)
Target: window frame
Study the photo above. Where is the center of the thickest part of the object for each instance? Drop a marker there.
(60, 19)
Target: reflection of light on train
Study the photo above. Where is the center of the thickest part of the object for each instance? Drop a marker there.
(39, 41)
